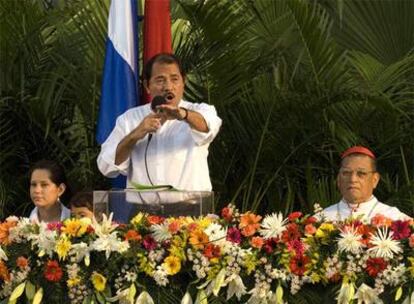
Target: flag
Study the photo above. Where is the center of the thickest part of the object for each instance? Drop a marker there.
(120, 76)
(157, 30)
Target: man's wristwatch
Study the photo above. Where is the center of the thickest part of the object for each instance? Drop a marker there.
(186, 114)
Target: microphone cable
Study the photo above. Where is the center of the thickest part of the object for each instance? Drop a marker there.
(145, 159)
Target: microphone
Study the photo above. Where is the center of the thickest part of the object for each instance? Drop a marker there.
(156, 101)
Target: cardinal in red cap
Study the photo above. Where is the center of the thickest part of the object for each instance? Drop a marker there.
(358, 150)
(357, 178)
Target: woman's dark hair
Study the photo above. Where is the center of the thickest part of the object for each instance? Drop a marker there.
(82, 199)
(56, 174)
(166, 58)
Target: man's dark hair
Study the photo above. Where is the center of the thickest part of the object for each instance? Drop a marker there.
(82, 199)
(166, 58)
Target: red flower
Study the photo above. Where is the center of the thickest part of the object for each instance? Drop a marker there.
(53, 272)
(234, 235)
(149, 243)
(227, 214)
(298, 264)
(311, 220)
(291, 233)
(296, 247)
(211, 251)
(270, 244)
(401, 229)
(294, 215)
(375, 266)
(411, 241)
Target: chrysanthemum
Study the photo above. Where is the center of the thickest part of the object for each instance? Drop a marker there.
(350, 241)
(273, 225)
(215, 232)
(160, 232)
(384, 246)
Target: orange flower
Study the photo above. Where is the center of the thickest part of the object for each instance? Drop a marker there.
(381, 220)
(154, 219)
(174, 227)
(366, 233)
(310, 229)
(132, 235)
(4, 272)
(249, 223)
(257, 242)
(4, 231)
(22, 262)
(211, 251)
(198, 239)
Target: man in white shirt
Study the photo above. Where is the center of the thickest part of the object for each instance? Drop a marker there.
(165, 146)
(357, 179)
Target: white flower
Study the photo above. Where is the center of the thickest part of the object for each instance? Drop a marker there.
(367, 295)
(80, 251)
(105, 227)
(160, 276)
(273, 225)
(236, 287)
(45, 240)
(144, 298)
(215, 232)
(160, 232)
(384, 246)
(350, 241)
(109, 243)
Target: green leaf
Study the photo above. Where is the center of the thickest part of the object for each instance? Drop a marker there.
(30, 290)
(398, 294)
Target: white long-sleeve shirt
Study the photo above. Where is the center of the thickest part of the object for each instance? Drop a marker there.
(177, 154)
(367, 210)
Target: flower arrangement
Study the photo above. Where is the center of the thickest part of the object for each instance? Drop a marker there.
(236, 258)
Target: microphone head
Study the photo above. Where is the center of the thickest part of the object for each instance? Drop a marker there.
(157, 101)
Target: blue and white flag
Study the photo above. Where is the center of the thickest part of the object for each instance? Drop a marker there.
(120, 76)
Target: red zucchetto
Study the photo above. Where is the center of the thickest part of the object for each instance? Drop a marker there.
(359, 150)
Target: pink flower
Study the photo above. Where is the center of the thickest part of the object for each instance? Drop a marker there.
(270, 244)
(401, 229)
(54, 226)
(149, 243)
(234, 235)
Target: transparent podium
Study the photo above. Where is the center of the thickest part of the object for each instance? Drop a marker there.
(125, 204)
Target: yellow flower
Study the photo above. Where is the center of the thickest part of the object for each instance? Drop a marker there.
(76, 227)
(98, 281)
(204, 222)
(62, 247)
(250, 262)
(172, 265)
(324, 230)
(73, 282)
(136, 220)
(411, 268)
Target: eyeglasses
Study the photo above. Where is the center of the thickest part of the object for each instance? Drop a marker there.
(359, 173)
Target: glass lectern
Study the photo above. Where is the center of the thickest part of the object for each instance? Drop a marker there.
(125, 204)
